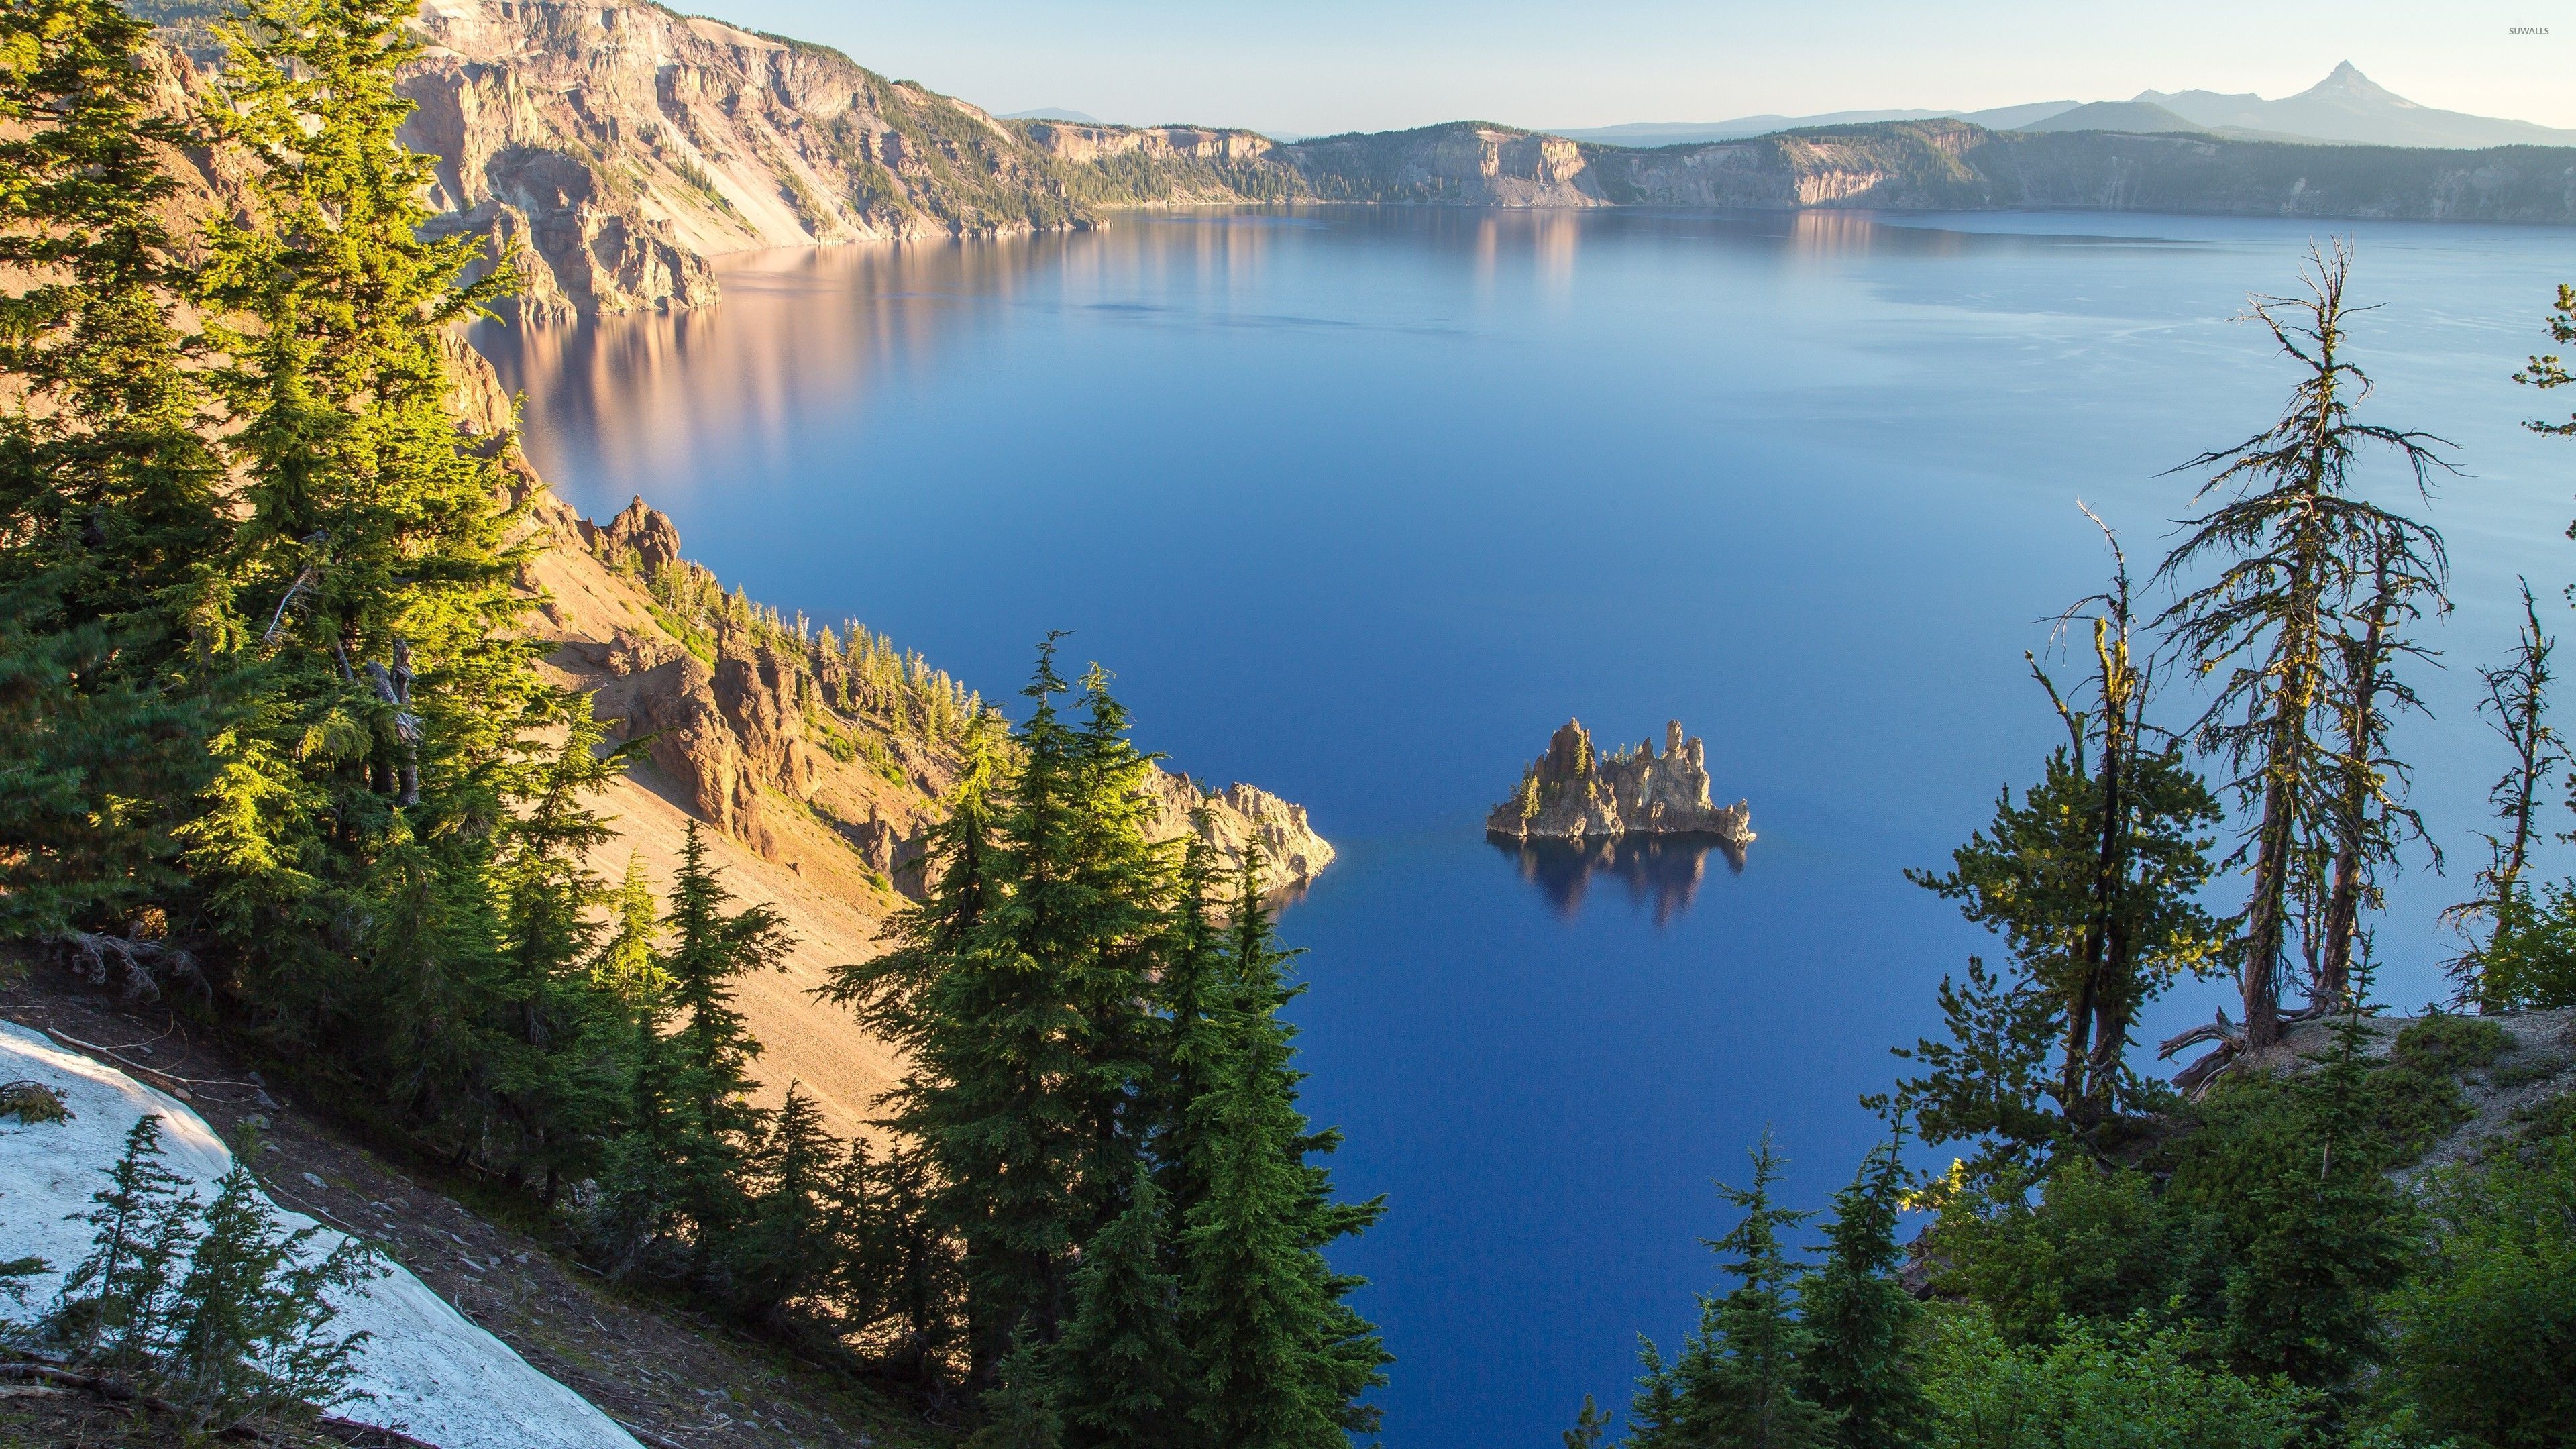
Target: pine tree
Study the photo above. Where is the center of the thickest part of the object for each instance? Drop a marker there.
(2550, 370)
(979, 993)
(1986, 1081)
(1189, 990)
(2090, 877)
(1736, 1382)
(1122, 1373)
(1285, 1358)
(2323, 1231)
(1117, 908)
(1859, 1366)
(2294, 545)
(554, 1028)
(368, 779)
(2516, 706)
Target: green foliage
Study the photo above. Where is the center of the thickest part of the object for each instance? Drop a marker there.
(1285, 1360)
(2098, 1246)
(1737, 1381)
(1589, 1425)
(2485, 1337)
(1121, 1371)
(1986, 1081)
(2090, 878)
(32, 1103)
(219, 1313)
(109, 502)
(1860, 1361)
(2529, 960)
(2313, 1230)
(250, 1333)
(1105, 1105)
(2132, 1386)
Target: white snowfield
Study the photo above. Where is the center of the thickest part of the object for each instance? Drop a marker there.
(430, 1373)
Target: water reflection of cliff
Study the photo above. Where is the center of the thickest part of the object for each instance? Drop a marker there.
(1661, 873)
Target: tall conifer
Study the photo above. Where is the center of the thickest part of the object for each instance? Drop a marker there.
(1122, 1373)
(110, 515)
(1736, 1384)
(1285, 1358)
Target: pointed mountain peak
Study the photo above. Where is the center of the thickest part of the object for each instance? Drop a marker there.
(2348, 83)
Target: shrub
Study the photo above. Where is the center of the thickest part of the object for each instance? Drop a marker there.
(2129, 1386)
(2485, 1342)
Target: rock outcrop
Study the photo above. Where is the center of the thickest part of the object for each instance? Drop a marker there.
(1240, 819)
(783, 738)
(1575, 792)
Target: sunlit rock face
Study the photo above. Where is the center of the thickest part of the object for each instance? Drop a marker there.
(1576, 792)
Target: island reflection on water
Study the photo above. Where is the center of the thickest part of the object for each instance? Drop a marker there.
(1662, 873)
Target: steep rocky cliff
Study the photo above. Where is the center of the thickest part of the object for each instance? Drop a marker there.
(620, 144)
(1575, 792)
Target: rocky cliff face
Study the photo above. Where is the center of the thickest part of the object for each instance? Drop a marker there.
(1575, 792)
(1460, 165)
(1242, 819)
(619, 144)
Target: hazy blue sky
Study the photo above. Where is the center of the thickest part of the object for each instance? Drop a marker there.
(1328, 65)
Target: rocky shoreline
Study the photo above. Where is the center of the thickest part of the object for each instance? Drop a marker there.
(1576, 792)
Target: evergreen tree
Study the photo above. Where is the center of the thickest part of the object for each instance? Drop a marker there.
(980, 994)
(787, 1246)
(110, 514)
(627, 964)
(1122, 1373)
(1859, 1366)
(2550, 370)
(1190, 990)
(711, 1048)
(554, 1027)
(1589, 1425)
(2516, 707)
(1984, 1083)
(2090, 877)
(1117, 905)
(2323, 1235)
(1736, 1384)
(2294, 545)
(1285, 1359)
(353, 839)
(112, 1308)
(252, 1332)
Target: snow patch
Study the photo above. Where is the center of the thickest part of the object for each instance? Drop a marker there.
(433, 1375)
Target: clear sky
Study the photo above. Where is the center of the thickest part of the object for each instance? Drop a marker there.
(1333, 65)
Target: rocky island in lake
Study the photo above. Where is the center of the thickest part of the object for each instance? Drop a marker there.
(1575, 792)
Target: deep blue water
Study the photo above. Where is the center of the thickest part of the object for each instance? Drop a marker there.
(1359, 506)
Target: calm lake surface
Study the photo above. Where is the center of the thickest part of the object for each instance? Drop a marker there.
(1360, 505)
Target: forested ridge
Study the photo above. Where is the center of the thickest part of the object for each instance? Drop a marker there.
(274, 744)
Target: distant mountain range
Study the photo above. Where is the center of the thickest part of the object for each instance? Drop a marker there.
(1054, 113)
(2345, 108)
